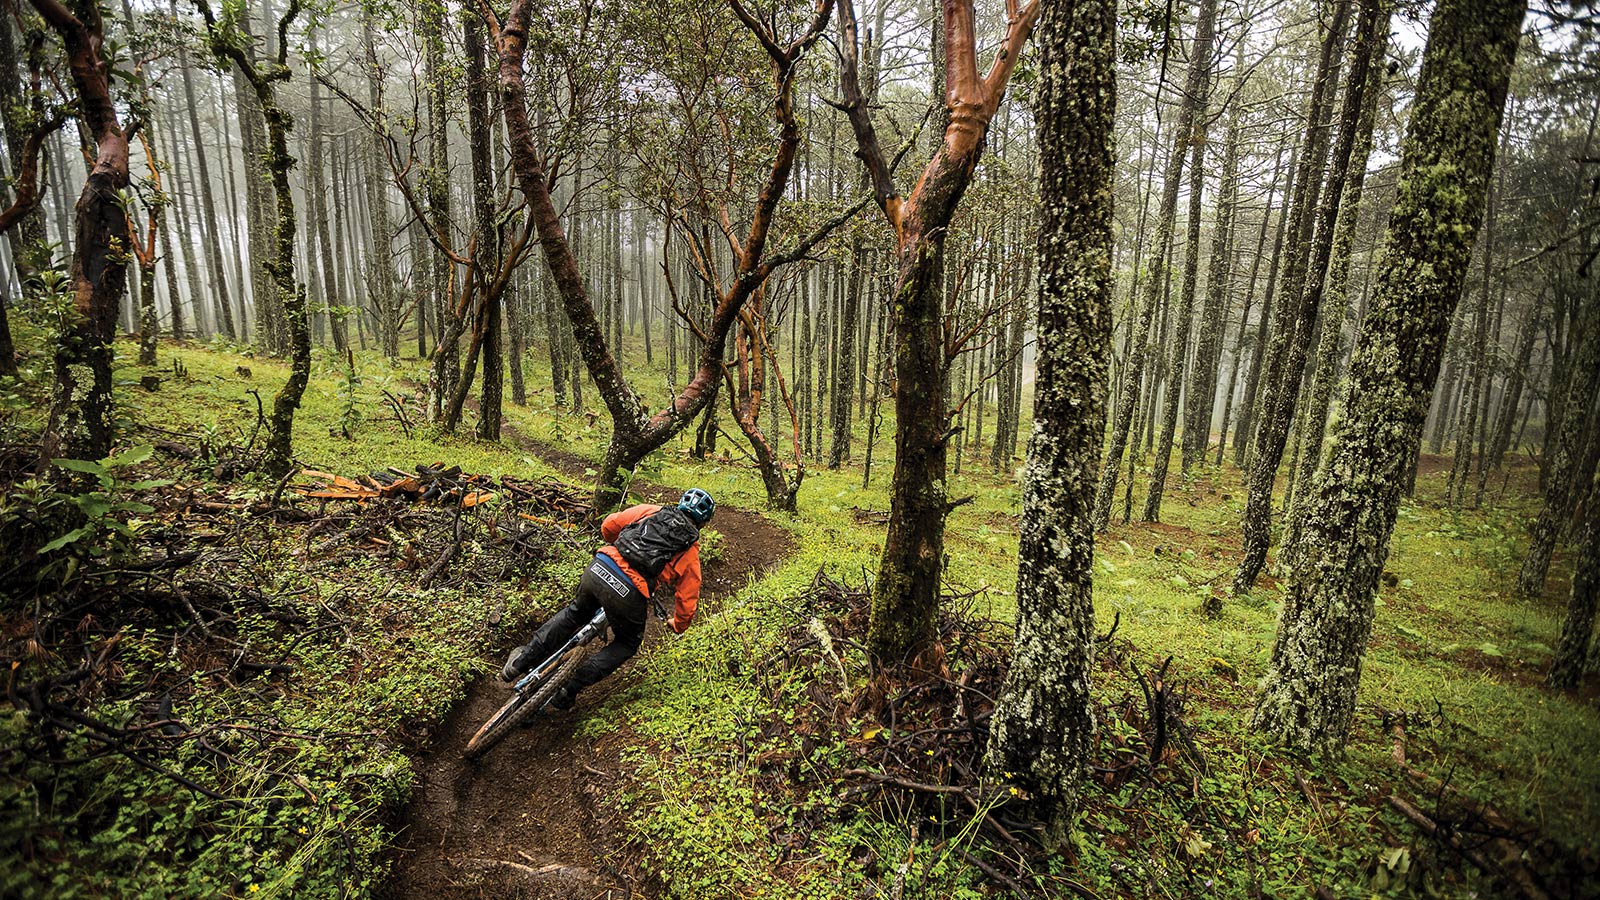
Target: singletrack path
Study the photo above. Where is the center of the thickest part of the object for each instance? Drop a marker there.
(536, 816)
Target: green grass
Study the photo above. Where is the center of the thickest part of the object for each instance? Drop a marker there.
(1450, 645)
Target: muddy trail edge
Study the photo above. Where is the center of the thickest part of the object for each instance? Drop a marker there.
(532, 818)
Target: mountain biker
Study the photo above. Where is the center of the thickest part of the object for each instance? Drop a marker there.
(648, 546)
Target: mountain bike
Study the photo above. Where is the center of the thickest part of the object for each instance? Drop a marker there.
(532, 692)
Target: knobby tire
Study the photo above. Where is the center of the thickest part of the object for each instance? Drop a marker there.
(521, 706)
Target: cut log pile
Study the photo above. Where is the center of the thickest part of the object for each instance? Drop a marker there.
(449, 486)
(428, 484)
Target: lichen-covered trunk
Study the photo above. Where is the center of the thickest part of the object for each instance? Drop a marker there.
(1244, 438)
(1578, 627)
(1201, 394)
(1042, 731)
(291, 299)
(1566, 447)
(1308, 698)
(149, 324)
(487, 246)
(1160, 250)
(1373, 31)
(845, 375)
(30, 251)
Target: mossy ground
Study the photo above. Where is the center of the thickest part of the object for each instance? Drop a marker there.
(1451, 648)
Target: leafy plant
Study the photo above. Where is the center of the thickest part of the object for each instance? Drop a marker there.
(711, 546)
(347, 391)
(107, 526)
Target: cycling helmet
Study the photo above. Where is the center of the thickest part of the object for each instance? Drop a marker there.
(698, 505)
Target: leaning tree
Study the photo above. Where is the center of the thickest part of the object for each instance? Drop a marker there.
(636, 432)
(1308, 698)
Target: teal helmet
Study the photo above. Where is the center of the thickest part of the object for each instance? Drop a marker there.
(698, 505)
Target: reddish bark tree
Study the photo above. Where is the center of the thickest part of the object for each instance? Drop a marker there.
(80, 423)
(635, 431)
(905, 598)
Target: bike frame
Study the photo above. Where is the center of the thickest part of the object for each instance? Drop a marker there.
(595, 628)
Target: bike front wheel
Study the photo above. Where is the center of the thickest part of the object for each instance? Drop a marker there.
(521, 705)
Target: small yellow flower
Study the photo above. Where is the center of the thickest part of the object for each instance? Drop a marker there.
(302, 829)
(1015, 792)
(254, 888)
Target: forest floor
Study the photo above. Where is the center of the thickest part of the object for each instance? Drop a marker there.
(719, 763)
(532, 817)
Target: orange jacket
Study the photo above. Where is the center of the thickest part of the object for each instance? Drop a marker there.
(682, 572)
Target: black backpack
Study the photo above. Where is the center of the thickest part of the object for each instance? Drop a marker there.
(651, 542)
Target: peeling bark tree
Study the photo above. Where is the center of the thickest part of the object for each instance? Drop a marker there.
(752, 352)
(291, 299)
(1043, 725)
(635, 432)
(1308, 697)
(80, 424)
(905, 597)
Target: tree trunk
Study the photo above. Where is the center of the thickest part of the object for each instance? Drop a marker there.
(1374, 29)
(1244, 438)
(259, 215)
(1308, 698)
(290, 298)
(905, 595)
(81, 423)
(1578, 626)
(1566, 446)
(1160, 250)
(210, 231)
(845, 376)
(315, 181)
(1043, 725)
(1185, 315)
(1308, 261)
(380, 266)
(636, 434)
(30, 250)
(207, 318)
(487, 253)
(1202, 390)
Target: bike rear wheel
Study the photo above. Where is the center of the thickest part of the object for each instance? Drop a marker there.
(520, 706)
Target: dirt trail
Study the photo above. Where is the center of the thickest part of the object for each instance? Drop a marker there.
(534, 818)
